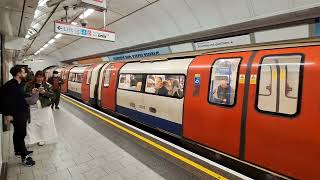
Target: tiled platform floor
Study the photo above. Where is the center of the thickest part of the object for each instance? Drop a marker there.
(83, 153)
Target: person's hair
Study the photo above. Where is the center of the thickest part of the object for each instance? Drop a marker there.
(15, 70)
(175, 83)
(133, 82)
(122, 79)
(160, 78)
(165, 83)
(55, 72)
(38, 73)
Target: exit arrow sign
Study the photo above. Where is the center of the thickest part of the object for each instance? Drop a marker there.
(69, 29)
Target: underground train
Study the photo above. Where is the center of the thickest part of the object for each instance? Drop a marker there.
(258, 104)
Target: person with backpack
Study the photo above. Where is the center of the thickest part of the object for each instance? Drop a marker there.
(16, 110)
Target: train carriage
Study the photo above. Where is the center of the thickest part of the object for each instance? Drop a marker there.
(75, 81)
(142, 95)
(256, 104)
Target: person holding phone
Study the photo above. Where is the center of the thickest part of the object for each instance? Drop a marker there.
(42, 128)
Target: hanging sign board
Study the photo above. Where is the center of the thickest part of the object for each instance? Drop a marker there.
(224, 42)
(74, 30)
(97, 3)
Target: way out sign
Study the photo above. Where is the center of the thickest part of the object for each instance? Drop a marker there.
(74, 30)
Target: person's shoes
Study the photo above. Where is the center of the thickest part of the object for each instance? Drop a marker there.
(28, 153)
(28, 161)
(57, 107)
(52, 106)
(41, 143)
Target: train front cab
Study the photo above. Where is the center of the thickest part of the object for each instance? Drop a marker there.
(108, 85)
(65, 77)
(271, 119)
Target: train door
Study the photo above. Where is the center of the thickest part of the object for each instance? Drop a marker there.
(282, 124)
(109, 86)
(64, 87)
(85, 87)
(213, 103)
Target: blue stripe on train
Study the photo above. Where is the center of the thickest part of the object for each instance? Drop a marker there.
(151, 120)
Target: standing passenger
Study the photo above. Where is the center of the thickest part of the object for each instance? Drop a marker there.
(16, 111)
(56, 83)
(42, 128)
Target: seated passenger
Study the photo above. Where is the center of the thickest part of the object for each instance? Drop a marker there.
(150, 87)
(133, 84)
(138, 87)
(176, 91)
(158, 84)
(163, 91)
(224, 93)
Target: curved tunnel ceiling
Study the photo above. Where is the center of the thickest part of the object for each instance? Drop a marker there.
(142, 21)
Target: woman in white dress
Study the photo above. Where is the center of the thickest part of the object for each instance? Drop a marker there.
(41, 128)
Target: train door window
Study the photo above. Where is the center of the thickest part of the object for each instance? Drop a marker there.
(71, 77)
(89, 73)
(165, 85)
(132, 82)
(107, 78)
(79, 78)
(283, 86)
(223, 85)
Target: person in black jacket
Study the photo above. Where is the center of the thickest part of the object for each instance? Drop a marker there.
(16, 111)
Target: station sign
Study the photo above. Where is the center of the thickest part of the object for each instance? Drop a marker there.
(97, 3)
(140, 54)
(74, 30)
(224, 42)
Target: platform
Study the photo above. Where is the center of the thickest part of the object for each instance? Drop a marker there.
(93, 145)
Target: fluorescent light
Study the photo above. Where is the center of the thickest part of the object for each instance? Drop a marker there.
(41, 49)
(51, 41)
(58, 36)
(74, 23)
(46, 45)
(42, 2)
(35, 26)
(27, 36)
(36, 13)
(86, 13)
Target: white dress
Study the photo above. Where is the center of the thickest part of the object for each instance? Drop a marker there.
(42, 127)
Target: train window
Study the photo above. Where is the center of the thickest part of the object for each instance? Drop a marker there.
(165, 85)
(224, 75)
(71, 77)
(107, 78)
(89, 73)
(284, 86)
(132, 82)
(266, 72)
(79, 78)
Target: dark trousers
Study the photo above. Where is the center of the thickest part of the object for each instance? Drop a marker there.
(19, 133)
(56, 99)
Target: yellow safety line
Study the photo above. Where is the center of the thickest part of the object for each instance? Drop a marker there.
(156, 145)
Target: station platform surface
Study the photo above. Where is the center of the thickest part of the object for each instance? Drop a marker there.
(92, 145)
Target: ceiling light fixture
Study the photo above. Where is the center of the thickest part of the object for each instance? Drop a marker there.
(41, 49)
(58, 36)
(86, 13)
(46, 45)
(51, 41)
(74, 23)
(42, 2)
(27, 36)
(35, 26)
